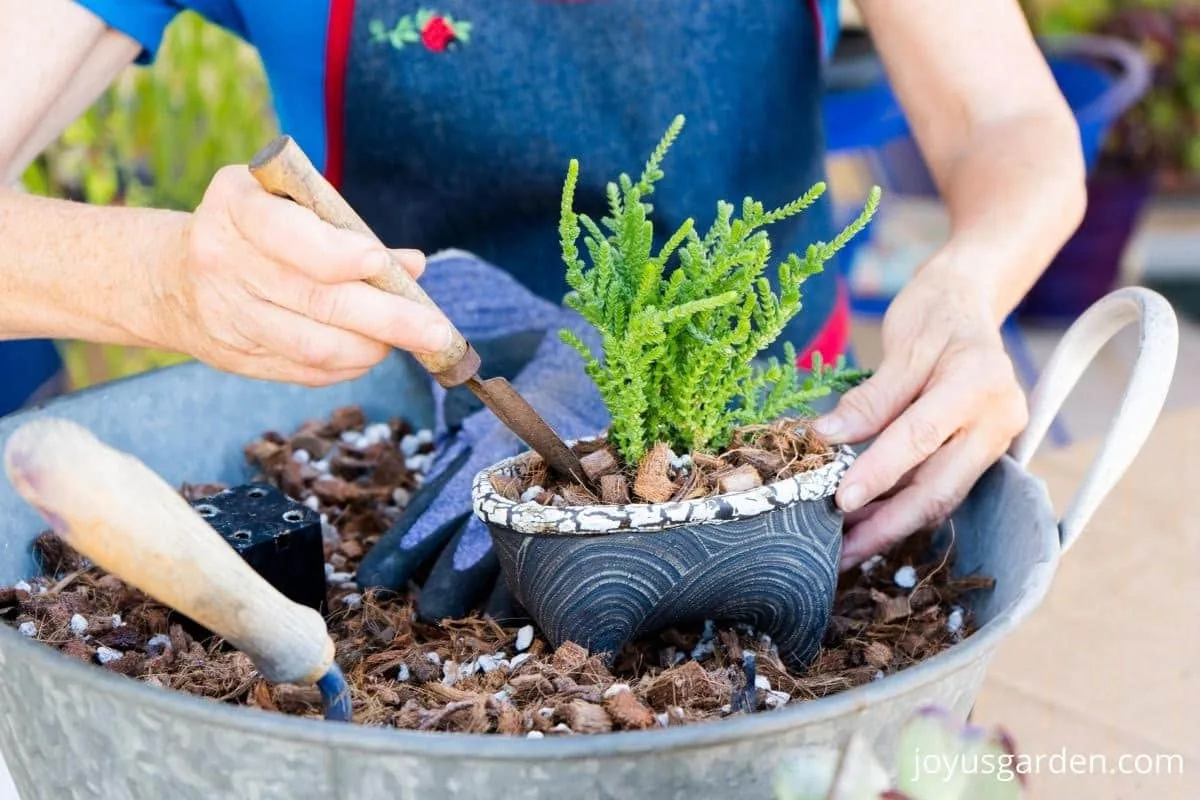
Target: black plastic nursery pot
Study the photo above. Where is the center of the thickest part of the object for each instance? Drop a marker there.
(601, 575)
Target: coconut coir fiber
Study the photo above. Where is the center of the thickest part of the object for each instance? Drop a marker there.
(757, 454)
(474, 675)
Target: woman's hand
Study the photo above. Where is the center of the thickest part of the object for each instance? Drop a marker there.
(263, 288)
(944, 403)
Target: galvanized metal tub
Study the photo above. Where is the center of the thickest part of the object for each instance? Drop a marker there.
(70, 730)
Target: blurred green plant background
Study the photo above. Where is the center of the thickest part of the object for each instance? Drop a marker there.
(155, 138)
(1161, 133)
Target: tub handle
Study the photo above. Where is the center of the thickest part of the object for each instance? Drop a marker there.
(1145, 393)
(119, 513)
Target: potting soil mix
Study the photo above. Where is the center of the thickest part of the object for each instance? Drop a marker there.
(475, 675)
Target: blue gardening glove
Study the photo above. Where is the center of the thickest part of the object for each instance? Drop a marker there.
(516, 334)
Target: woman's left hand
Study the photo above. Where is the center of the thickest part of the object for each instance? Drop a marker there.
(944, 403)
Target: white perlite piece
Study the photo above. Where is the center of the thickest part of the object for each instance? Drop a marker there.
(501, 696)
(339, 577)
(433, 658)
(106, 655)
(116, 621)
(762, 682)
(662, 719)
(518, 660)
(158, 643)
(419, 462)
(561, 727)
(524, 638)
(79, 624)
(425, 436)
(535, 735)
(450, 672)
(704, 647)
(377, 433)
(312, 502)
(954, 623)
(530, 494)
(615, 690)
(22, 586)
(301, 457)
(328, 532)
(870, 564)
(329, 569)
(28, 629)
(403, 674)
(409, 445)
(487, 664)
(545, 713)
(905, 577)
(353, 600)
(777, 699)
(401, 497)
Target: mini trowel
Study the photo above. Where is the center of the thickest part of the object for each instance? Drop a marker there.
(283, 169)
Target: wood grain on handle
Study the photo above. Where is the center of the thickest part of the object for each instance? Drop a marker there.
(283, 169)
(113, 509)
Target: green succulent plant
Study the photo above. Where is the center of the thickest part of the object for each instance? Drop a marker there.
(682, 326)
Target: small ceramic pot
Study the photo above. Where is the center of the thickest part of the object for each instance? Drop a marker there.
(601, 575)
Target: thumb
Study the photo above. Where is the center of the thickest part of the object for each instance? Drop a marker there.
(864, 411)
(413, 261)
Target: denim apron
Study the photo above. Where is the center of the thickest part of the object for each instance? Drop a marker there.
(459, 120)
(30, 371)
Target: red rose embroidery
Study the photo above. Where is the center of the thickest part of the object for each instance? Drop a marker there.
(437, 34)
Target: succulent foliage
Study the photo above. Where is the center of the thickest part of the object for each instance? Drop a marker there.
(682, 326)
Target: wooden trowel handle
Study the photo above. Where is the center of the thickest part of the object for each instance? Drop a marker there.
(113, 509)
(283, 169)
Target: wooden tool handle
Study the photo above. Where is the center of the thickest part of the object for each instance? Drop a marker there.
(113, 509)
(283, 169)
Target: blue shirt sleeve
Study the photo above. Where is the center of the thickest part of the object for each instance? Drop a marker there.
(144, 21)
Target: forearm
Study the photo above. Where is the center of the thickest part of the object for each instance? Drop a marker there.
(1015, 195)
(73, 271)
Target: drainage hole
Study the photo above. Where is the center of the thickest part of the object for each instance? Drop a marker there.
(206, 510)
(293, 516)
(283, 541)
(256, 493)
(242, 536)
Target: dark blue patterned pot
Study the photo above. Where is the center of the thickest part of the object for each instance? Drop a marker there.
(600, 576)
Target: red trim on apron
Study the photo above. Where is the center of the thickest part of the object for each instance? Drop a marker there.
(834, 338)
(337, 51)
(815, 7)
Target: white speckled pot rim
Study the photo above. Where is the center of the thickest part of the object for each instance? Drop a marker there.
(535, 518)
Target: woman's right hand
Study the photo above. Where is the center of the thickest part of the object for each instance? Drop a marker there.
(263, 288)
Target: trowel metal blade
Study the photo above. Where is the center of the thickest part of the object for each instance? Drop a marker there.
(521, 418)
